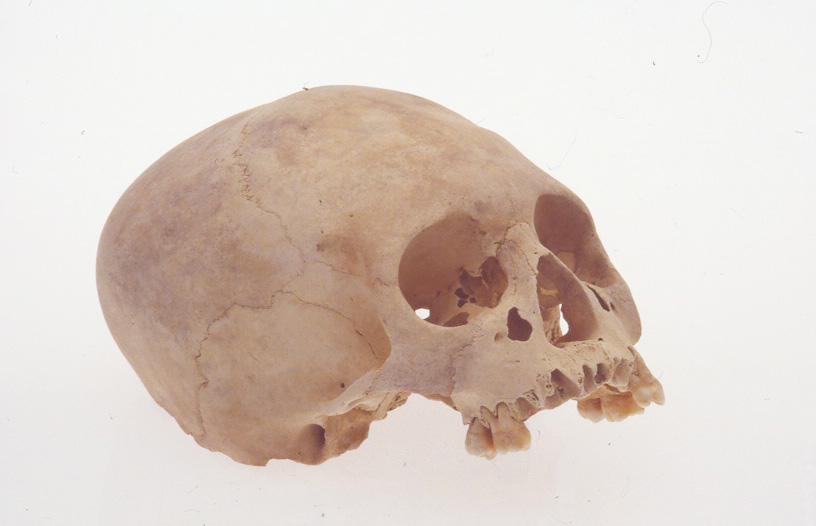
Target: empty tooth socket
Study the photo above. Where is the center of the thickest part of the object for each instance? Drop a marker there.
(564, 384)
(545, 389)
(523, 408)
(557, 387)
(602, 375)
(589, 379)
(532, 396)
(563, 388)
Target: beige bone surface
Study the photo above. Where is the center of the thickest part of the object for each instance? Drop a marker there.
(262, 279)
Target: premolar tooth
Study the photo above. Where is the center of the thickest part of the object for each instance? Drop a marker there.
(479, 441)
(508, 433)
(502, 434)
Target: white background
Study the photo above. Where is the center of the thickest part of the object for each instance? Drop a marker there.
(687, 127)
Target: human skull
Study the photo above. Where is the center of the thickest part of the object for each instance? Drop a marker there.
(263, 278)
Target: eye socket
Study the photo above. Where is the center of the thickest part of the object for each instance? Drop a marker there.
(565, 227)
(561, 225)
(433, 275)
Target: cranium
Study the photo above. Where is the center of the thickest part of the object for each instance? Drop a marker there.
(263, 279)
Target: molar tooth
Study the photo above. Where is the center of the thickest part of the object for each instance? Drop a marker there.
(643, 385)
(647, 391)
(618, 407)
(590, 408)
(502, 434)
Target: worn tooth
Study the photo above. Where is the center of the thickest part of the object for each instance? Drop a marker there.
(590, 408)
(479, 440)
(646, 392)
(645, 388)
(630, 389)
(508, 433)
(609, 403)
(502, 434)
(617, 407)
